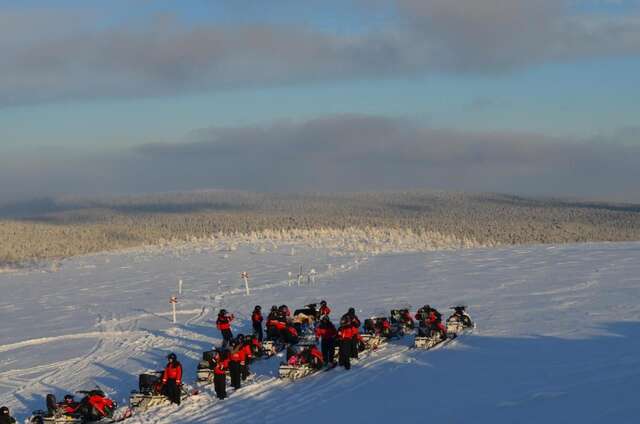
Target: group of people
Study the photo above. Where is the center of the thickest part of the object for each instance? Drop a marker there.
(236, 353)
(430, 320)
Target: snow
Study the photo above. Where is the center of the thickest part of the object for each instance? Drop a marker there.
(557, 337)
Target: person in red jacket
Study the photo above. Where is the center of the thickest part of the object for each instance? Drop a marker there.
(224, 325)
(236, 361)
(324, 309)
(256, 321)
(345, 337)
(356, 338)
(274, 324)
(284, 311)
(327, 333)
(69, 405)
(290, 334)
(247, 353)
(172, 379)
(434, 320)
(220, 374)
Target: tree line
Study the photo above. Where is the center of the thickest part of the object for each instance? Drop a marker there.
(412, 219)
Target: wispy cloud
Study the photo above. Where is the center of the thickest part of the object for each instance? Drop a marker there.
(344, 153)
(50, 55)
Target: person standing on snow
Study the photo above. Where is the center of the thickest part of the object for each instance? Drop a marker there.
(220, 374)
(355, 323)
(327, 332)
(5, 417)
(345, 336)
(172, 379)
(236, 360)
(224, 325)
(256, 321)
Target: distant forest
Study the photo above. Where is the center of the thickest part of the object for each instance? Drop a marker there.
(62, 227)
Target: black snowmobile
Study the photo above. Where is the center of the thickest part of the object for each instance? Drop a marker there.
(401, 320)
(376, 331)
(149, 392)
(459, 321)
(301, 361)
(95, 406)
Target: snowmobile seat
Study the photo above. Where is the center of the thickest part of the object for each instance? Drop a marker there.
(147, 383)
(209, 355)
(52, 404)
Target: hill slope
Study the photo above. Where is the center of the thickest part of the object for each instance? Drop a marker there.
(557, 335)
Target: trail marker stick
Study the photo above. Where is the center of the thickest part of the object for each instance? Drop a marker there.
(245, 277)
(173, 302)
(180, 287)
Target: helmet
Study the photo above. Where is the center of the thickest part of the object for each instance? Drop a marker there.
(258, 308)
(68, 398)
(172, 356)
(426, 307)
(223, 312)
(351, 311)
(325, 318)
(274, 308)
(323, 303)
(4, 411)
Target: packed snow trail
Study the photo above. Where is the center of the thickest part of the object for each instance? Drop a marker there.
(557, 339)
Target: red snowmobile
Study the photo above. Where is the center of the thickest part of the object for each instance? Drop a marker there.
(93, 407)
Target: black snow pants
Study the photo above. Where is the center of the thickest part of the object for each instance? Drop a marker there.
(354, 347)
(220, 385)
(226, 336)
(328, 350)
(345, 353)
(244, 370)
(172, 391)
(257, 330)
(234, 370)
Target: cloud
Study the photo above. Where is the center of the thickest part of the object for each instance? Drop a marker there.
(343, 153)
(53, 55)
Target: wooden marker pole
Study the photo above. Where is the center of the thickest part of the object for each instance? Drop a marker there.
(245, 277)
(173, 302)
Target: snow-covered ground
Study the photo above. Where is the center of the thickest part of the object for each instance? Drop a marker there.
(557, 340)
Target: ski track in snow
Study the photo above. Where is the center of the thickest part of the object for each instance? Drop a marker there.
(554, 322)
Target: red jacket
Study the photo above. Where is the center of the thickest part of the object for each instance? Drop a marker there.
(221, 365)
(346, 332)
(325, 310)
(173, 371)
(224, 322)
(277, 324)
(238, 354)
(326, 332)
(247, 350)
(317, 354)
(406, 317)
(292, 330)
(256, 317)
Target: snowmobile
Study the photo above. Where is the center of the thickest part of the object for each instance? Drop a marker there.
(428, 336)
(149, 392)
(377, 330)
(94, 406)
(300, 362)
(401, 320)
(304, 320)
(204, 371)
(459, 321)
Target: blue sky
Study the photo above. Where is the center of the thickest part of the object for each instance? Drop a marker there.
(89, 77)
